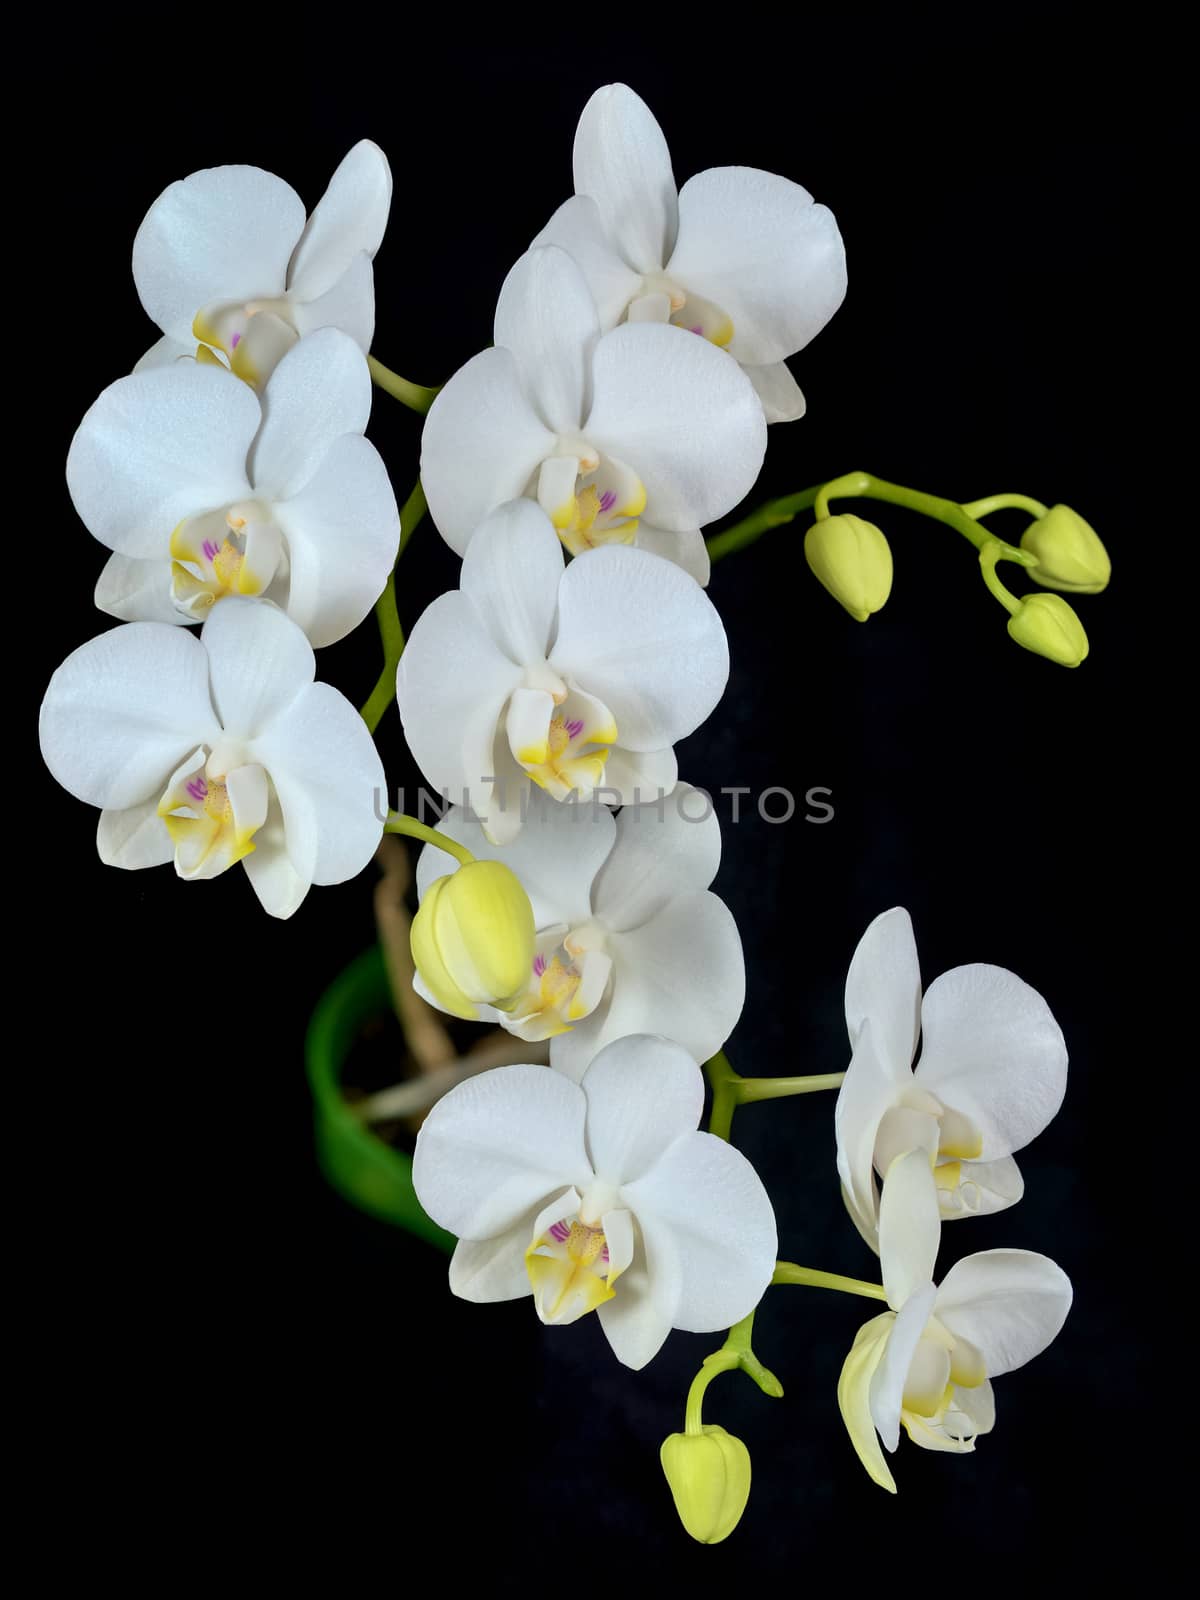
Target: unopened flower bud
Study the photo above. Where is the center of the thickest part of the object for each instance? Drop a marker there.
(1046, 625)
(852, 559)
(472, 938)
(1069, 553)
(709, 1475)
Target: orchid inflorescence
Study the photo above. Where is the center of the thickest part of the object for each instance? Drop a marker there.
(640, 353)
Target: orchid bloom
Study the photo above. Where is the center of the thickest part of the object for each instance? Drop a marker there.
(226, 257)
(636, 436)
(204, 490)
(578, 681)
(629, 939)
(217, 749)
(928, 1362)
(992, 1073)
(743, 258)
(598, 1196)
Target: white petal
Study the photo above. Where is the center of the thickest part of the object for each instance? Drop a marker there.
(158, 447)
(318, 392)
(123, 711)
(498, 1146)
(546, 317)
(1009, 1303)
(349, 217)
(621, 160)
(137, 591)
(578, 228)
(887, 1384)
(451, 688)
(991, 1049)
(511, 574)
(661, 851)
(633, 777)
(681, 974)
(756, 245)
(778, 391)
(686, 549)
(481, 444)
(884, 984)
(854, 1396)
(704, 1201)
(637, 1320)
(909, 1227)
(643, 1093)
(486, 1270)
(165, 353)
(343, 531)
(867, 1091)
(329, 779)
(982, 1188)
(643, 637)
(136, 837)
(903, 1128)
(226, 233)
(273, 873)
(259, 662)
(682, 416)
(348, 305)
(927, 1377)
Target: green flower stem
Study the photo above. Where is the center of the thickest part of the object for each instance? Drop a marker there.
(863, 486)
(391, 634)
(772, 514)
(731, 1090)
(749, 1089)
(991, 553)
(416, 396)
(1004, 502)
(734, 1354)
(398, 822)
(789, 1272)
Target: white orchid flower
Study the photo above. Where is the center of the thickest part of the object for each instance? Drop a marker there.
(577, 681)
(204, 490)
(629, 939)
(217, 749)
(226, 257)
(992, 1073)
(599, 1195)
(929, 1361)
(639, 436)
(743, 258)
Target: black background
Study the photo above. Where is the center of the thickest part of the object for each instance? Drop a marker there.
(231, 1351)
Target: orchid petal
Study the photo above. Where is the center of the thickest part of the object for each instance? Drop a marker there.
(686, 549)
(226, 233)
(756, 245)
(778, 392)
(318, 392)
(854, 1396)
(546, 317)
(481, 445)
(632, 777)
(137, 591)
(133, 838)
(682, 417)
(643, 637)
(157, 447)
(511, 573)
(349, 305)
(992, 1050)
(1010, 1304)
(498, 1146)
(661, 851)
(487, 1270)
(622, 162)
(259, 661)
(349, 219)
(909, 1227)
(867, 1091)
(887, 1383)
(643, 1093)
(343, 531)
(578, 228)
(884, 984)
(123, 711)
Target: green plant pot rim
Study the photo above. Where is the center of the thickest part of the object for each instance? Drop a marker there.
(372, 1175)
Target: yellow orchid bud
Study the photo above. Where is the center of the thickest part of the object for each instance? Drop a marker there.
(1068, 552)
(472, 938)
(709, 1475)
(1046, 625)
(853, 560)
